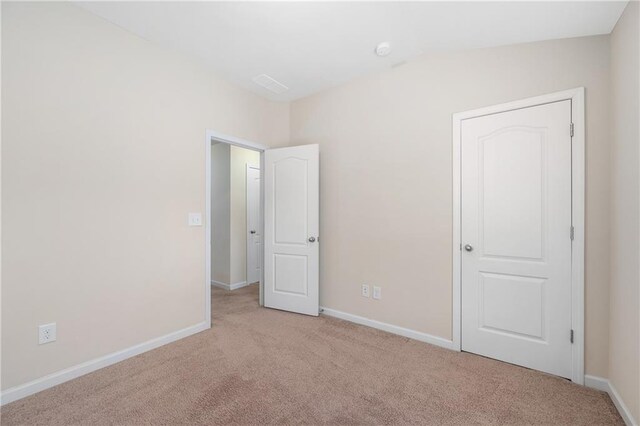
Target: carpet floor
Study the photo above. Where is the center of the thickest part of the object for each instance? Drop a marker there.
(260, 366)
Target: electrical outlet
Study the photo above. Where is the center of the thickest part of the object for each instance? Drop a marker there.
(365, 290)
(46, 333)
(195, 219)
(377, 292)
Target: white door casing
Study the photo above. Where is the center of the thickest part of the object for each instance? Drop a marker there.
(516, 249)
(254, 232)
(291, 230)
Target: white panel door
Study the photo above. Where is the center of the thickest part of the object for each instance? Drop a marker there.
(254, 233)
(291, 241)
(516, 242)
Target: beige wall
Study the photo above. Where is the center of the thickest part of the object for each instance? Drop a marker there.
(103, 157)
(385, 146)
(240, 157)
(220, 213)
(624, 340)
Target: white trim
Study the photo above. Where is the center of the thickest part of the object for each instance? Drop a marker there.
(233, 286)
(577, 219)
(53, 379)
(210, 136)
(262, 201)
(232, 140)
(605, 385)
(207, 230)
(221, 285)
(390, 328)
(578, 190)
(456, 309)
(238, 285)
(595, 382)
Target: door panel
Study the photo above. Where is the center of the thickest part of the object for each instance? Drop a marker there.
(254, 232)
(516, 218)
(291, 274)
(290, 201)
(512, 228)
(291, 229)
(512, 304)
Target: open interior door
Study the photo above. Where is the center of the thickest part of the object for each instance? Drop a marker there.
(291, 241)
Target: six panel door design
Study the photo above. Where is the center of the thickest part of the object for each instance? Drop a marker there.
(516, 244)
(291, 240)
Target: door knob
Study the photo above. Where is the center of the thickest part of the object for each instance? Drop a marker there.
(468, 247)
(253, 232)
(312, 239)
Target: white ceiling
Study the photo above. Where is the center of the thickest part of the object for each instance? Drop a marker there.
(310, 46)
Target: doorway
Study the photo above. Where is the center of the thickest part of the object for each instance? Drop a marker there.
(519, 233)
(285, 252)
(235, 207)
(227, 161)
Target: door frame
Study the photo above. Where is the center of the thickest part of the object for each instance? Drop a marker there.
(210, 137)
(246, 174)
(576, 96)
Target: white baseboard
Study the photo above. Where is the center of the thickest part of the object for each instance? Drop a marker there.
(53, 379)
(233, 286)
(411, 334)
(605, 385)
(239, 285)
(220, 284)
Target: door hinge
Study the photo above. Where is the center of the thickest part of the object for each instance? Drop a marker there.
(571, 129)
(572, 233)
(571, 336)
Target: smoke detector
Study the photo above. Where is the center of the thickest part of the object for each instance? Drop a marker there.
(270, 84)
(383, 49)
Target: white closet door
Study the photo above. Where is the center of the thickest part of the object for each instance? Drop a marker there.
(516, 222)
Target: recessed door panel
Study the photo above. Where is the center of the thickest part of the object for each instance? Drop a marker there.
(512, 304)
(290, 274)
(513, 192)
(290, 204)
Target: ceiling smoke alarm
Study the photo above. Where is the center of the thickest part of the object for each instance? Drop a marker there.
(383, 49)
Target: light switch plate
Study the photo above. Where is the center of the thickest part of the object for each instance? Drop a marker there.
(195, 219)
(377, 292)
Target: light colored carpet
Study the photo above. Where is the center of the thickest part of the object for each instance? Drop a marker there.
(258, 366)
